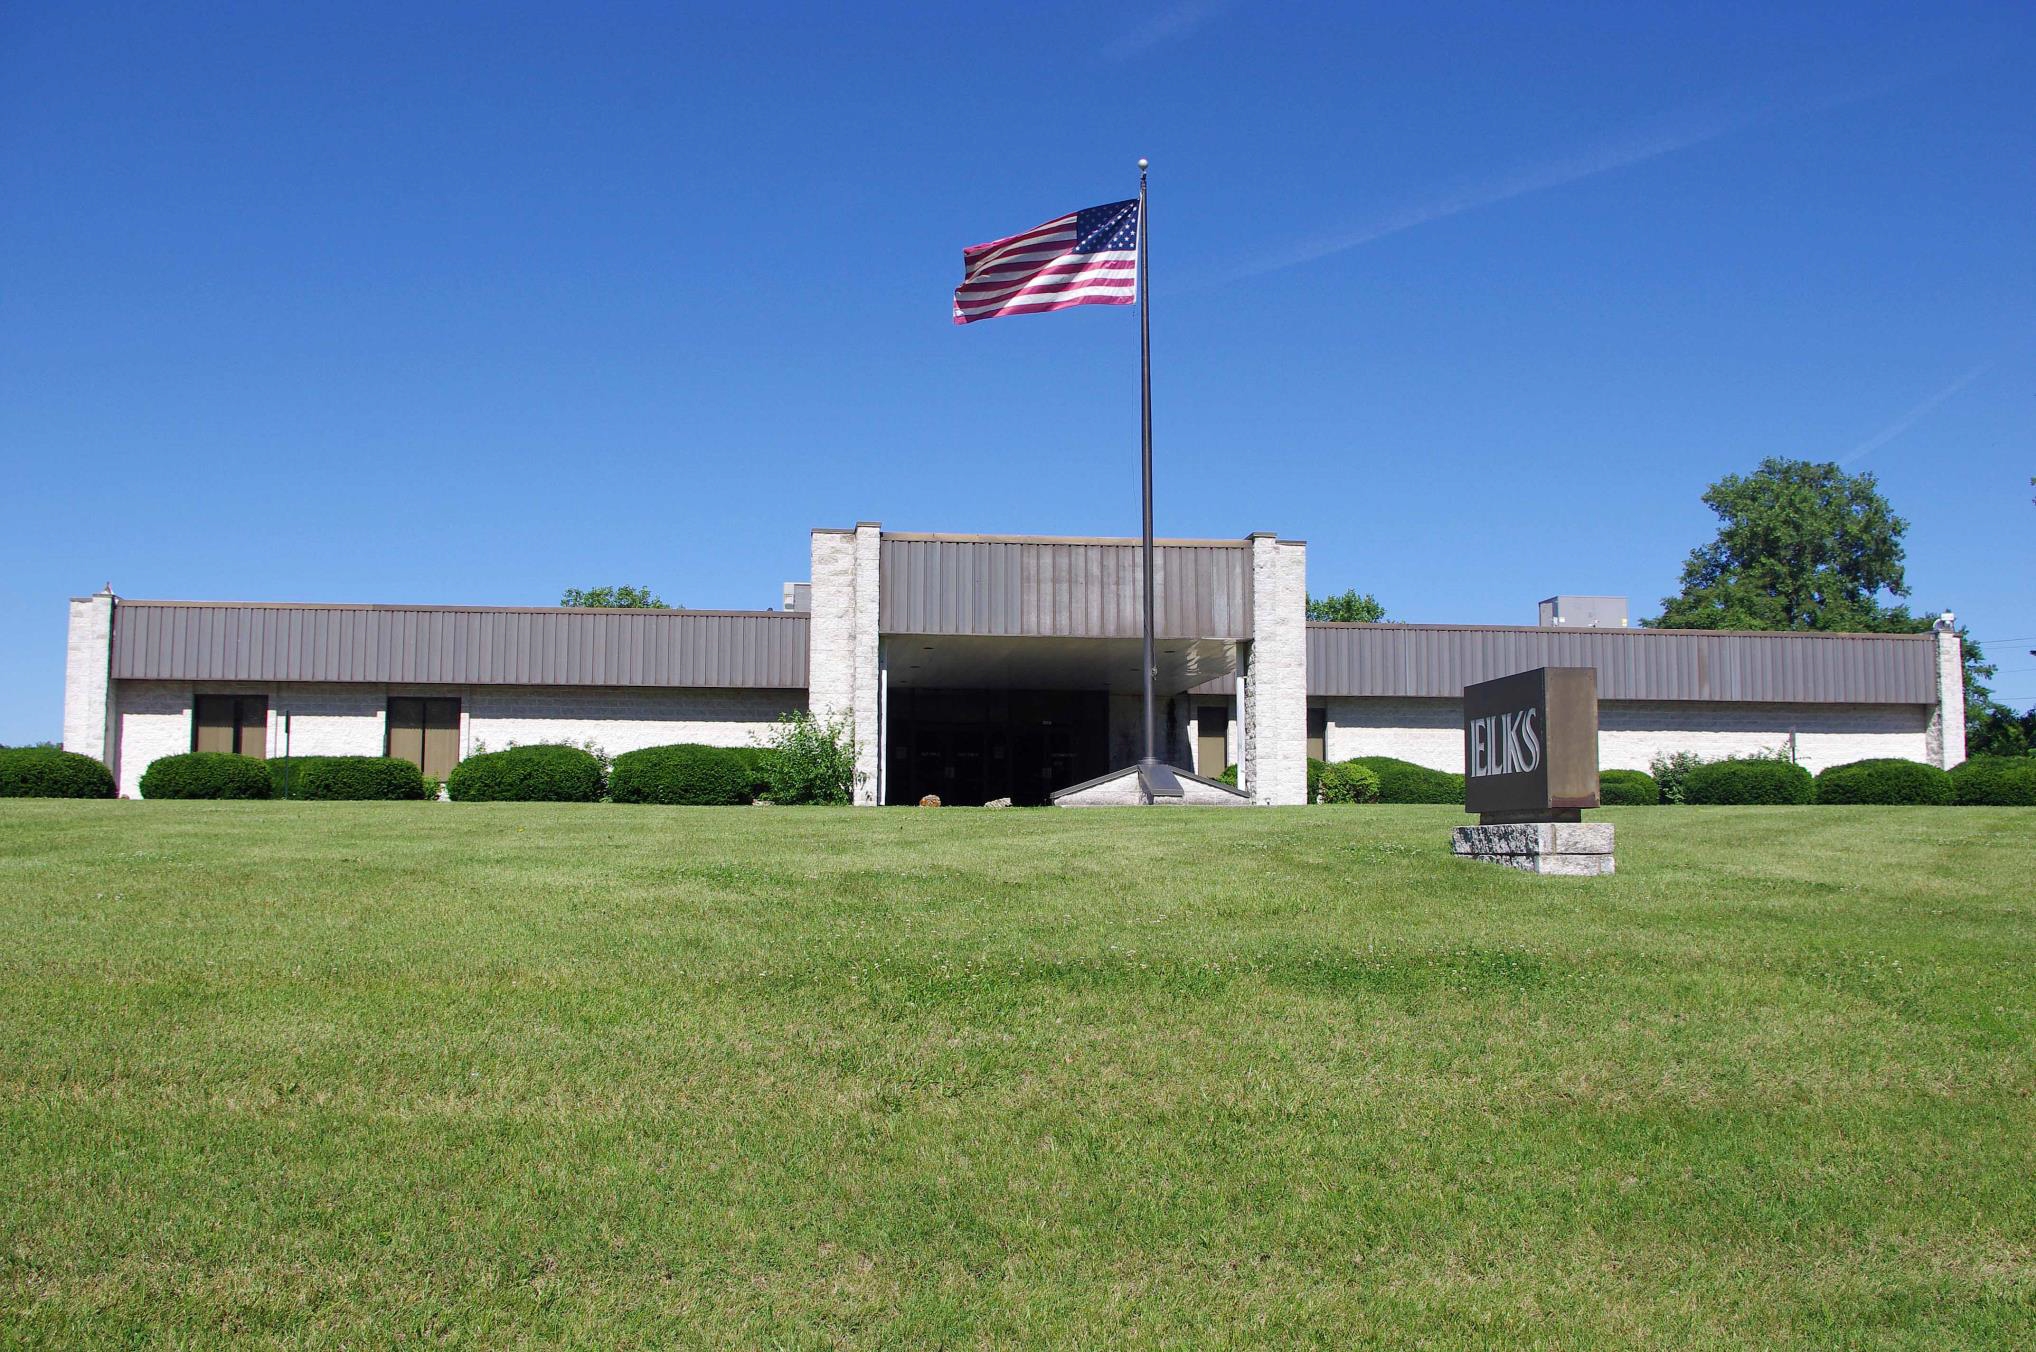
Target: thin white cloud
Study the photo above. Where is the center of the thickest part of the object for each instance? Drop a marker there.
(1915, 415)
(1169, 25)
(1687, 127)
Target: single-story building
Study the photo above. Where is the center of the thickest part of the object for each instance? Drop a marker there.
(973, 667)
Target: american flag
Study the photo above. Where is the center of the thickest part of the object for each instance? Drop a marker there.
(1084, 258)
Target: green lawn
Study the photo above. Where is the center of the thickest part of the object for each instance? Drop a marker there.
(344, 1075)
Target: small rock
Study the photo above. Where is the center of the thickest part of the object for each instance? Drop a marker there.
(998, 802)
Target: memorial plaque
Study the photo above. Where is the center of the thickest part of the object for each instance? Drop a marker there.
(1530, 746)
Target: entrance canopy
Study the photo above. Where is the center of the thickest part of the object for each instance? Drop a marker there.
(974, 662)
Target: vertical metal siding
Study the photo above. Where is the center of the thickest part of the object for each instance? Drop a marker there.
(1069, 589)
(1438, 661)
(157, 640)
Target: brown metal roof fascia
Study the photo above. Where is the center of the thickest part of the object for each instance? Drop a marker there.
(1028, 586)
(459, 645)
(1438, 661)
(1128, 541)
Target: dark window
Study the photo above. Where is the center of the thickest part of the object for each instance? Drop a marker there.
(425, 732)
(1318, 733)
(1212, 739)
(236, 724)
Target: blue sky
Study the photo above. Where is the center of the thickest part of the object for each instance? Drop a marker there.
(471, 304)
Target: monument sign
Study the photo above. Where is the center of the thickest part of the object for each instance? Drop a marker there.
(1530, 762)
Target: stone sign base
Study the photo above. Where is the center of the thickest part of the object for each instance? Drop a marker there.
(1570, 849)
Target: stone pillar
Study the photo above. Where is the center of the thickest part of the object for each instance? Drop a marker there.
(89, 726)
(869, 729)
(843, 678)
(1273, 760)
(1944, 739)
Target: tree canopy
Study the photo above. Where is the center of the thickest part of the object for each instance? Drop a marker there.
(1800, 545)
(1351, 607)
(613, 598)
(1804, 545)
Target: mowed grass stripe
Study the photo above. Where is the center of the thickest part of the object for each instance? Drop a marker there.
(328, 1074)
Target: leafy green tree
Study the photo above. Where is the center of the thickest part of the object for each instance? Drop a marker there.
(808, 760)
(613, 598)
(1804, 545)
(1352, 607)
(1800, 545)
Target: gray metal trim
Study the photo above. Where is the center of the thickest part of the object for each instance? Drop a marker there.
(458, 645)
(1060, 588)
(1438, 661)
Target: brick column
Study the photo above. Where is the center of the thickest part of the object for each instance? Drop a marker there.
(1273, 755)
(869, 730)
(843, 680)
(89, 727)
(1944, 740)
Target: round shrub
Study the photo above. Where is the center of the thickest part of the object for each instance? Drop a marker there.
(1316, 769)
(1405, 782)
(1748, 782)
(1628, 788)
(1995, 781)
(359, 779)
(1229, 775)
(527, 774)
(207, 774)
(283, 773)
(756, 763)
(45, 772)
(685, 775)
(1349, 782)
(1884, 782)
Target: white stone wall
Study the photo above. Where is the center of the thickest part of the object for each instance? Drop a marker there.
(1425, 731)
(154, 721)
(1631, 733)
(348, 720)
(1273, 761)
(88, 688)
(619, 720)
(332, 720)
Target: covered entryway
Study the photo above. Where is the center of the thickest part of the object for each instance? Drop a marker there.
(970, 718)
(971, 746)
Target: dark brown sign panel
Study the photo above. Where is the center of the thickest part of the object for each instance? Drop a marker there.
(1530, 745)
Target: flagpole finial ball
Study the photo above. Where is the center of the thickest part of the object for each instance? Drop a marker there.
(1143, 163)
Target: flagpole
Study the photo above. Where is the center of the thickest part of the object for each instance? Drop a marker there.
(1154, 776)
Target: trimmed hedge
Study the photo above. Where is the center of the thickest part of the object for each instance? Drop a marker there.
(1748, 782)
(207, 774)
(1405, 782)
(1995, 781)
(1229, 775)
(283, 773)
(1316, 769)
(45, 772)
(527, 774)
(1628, 788)
(359, 779)
(1349, 782)
(685, 775)
(1885, 782)
(756, 760)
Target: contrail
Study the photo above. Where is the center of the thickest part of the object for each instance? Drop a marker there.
(1909, 419)
(1167, 26)
(1693, 126)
